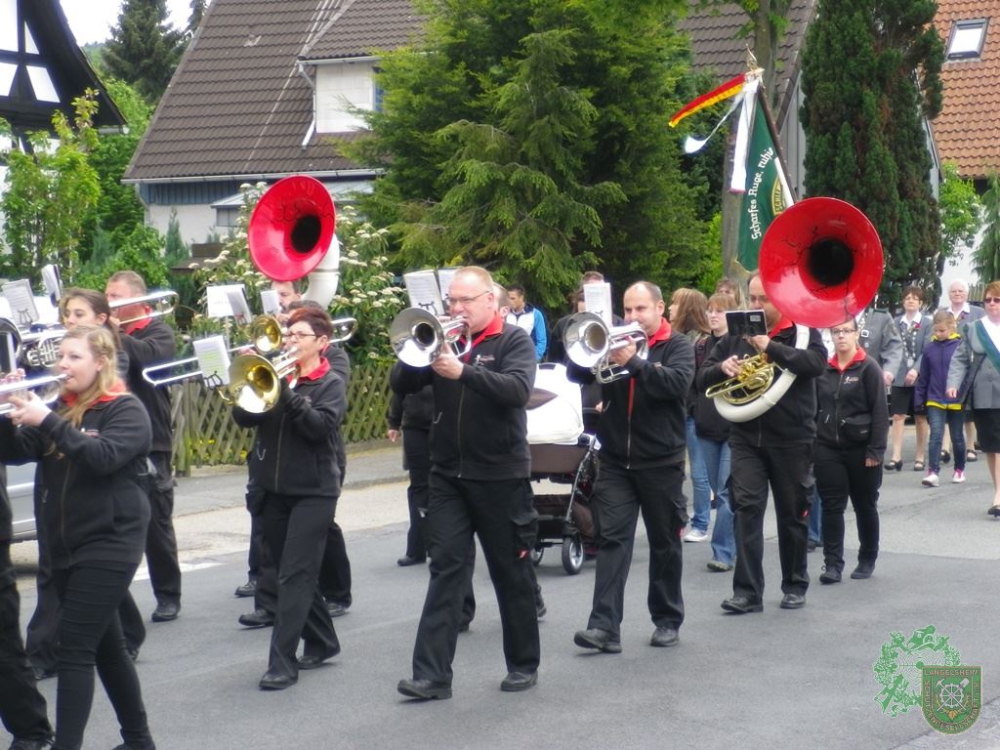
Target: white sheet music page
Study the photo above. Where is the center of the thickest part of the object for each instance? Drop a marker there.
(597, 300)
(22, 302)
(213, 360)
(422, 288)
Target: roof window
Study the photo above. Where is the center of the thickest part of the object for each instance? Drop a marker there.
(967, 39)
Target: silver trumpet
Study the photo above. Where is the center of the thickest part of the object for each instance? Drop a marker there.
(48, 384)
(589, 342)
(163, 303)
(418, 336)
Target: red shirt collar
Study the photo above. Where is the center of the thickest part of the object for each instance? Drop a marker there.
(493, 328)
(858, 356)
(322, 369)
(117, 389)
(783, 324)
(662, 333)
(139, 324)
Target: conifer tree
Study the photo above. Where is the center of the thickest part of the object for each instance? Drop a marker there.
(870, 73)
(529, 136)
(144, 49)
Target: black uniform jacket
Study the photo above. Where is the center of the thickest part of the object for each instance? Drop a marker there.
(855, 394)
(93, 507)
(150, 344)
(792, 421)
(480, 428)
(642, 423)
(295, 449)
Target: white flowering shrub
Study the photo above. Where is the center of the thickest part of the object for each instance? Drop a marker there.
(367, 289)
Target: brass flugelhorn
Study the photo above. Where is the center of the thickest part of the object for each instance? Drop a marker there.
(418, 336)
(589, 341)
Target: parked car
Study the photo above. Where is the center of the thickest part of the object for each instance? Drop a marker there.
(20, 487)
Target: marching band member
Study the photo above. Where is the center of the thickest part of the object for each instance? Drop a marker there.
(92, 448)
(642, 437)
(293, 467)
(479, 484)
(148, 341)
(774, 448)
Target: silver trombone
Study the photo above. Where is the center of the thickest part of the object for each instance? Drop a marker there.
(46, 382)
(163, 303)
(418, 336)
(589, 341)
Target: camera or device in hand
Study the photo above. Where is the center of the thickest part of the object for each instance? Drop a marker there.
(746, 322)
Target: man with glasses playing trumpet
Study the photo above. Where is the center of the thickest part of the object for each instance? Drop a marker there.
(774, 447)
(643, 438)
(148, 341)
(479, 484)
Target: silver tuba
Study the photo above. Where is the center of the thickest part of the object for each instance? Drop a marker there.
(589, 341)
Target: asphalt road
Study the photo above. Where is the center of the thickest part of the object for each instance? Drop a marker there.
(778, 679)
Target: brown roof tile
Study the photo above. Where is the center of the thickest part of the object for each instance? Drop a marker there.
(362, 27)
(237, 105)
(967, 131)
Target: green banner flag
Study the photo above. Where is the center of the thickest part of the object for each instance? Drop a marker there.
(766, 194)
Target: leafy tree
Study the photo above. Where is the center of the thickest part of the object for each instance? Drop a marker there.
(986, 260)
(529, 136)
(197, 13)
(961, 215)
(144, 49)
(870, 71)
(51, 194)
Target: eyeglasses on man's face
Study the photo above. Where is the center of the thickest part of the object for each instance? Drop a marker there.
(464, 301)
(842, 331)
(758, 299)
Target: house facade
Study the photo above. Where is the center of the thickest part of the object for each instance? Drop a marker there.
(264, 90)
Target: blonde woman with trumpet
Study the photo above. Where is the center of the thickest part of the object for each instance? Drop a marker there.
(92, 447)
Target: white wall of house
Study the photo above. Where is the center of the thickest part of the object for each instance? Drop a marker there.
(340, 86)
(196, 222)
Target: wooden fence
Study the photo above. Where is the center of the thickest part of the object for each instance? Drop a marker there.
(205, 434)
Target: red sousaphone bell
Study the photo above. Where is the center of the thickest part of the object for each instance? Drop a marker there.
(291, 228)
(821, 262)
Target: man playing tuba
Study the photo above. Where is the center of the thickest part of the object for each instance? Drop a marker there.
(774, 447)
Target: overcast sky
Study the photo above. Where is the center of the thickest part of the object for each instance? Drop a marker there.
(91, 20)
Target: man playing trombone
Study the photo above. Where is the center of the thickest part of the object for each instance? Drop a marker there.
(148, 341)
(479, 483)
(642, 437)
(774, 447)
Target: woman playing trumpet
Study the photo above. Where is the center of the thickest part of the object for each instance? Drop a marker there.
(296, 481)
(92, 447)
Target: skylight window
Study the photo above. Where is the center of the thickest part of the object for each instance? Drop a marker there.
(967, 39)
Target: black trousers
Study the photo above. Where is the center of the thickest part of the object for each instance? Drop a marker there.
(417, 451)
(90, 635)
(502, 515)
(619, 495)
(22, 707)
(295, 533)
(841, 474)
(42, 642)
(786, 469)
(161, 542)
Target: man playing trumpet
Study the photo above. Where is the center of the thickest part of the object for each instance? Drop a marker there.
(479, 483)
(776, 448)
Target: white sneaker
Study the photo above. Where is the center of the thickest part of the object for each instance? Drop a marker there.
(695, 535)
(931, 480)
(958, 477)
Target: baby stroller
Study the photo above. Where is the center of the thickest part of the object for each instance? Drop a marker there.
(563, 454)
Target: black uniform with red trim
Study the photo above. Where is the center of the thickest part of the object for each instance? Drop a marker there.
(293, 464)
(774, 448)
(149, 342)
(643, 438)
(480, 469)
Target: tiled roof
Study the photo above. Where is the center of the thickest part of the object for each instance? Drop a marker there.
(238, 105)
(967, 131)
(719, 49)
(363, 27)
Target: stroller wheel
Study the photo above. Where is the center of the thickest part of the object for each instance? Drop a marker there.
(536, 555)
(572, 554)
